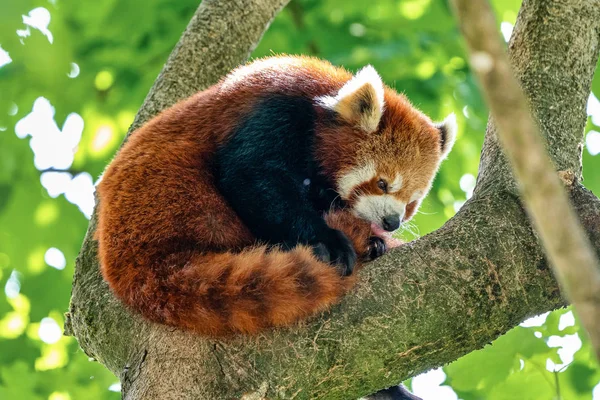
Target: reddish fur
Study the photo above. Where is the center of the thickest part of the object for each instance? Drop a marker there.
(417, 158)
(170, 246)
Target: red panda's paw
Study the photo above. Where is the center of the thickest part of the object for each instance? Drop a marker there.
(335, 248)
(377, 247)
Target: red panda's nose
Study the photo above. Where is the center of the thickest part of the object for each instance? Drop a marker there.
(391, 222)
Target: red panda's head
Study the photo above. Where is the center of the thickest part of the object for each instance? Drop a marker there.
(388, 152)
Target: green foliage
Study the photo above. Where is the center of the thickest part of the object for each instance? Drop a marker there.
(100, 62)
(514, 366)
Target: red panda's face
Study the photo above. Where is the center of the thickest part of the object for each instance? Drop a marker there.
(391, 168)
(387, 187)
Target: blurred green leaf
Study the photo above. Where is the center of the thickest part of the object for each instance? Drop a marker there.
(483, 369)
(18, 382)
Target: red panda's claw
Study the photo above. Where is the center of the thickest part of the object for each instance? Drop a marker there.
(377, 248)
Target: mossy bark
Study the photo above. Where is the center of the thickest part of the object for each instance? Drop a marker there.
(418, 307)
(572, 257)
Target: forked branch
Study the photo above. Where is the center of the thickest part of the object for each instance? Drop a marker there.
(570, 252)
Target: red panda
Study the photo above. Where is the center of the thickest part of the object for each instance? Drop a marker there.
(248, 205)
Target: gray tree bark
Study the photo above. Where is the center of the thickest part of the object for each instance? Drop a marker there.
(418, 307)
(571, 256)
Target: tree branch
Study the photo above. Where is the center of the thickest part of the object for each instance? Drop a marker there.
(418, 307)
(220, 36)
(574, 263)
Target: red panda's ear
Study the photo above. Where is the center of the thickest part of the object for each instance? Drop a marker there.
(360, 101)
(447, 130)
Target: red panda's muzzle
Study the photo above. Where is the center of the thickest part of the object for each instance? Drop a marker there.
(387, 237)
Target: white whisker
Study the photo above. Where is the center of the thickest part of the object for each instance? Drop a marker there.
(426, 213)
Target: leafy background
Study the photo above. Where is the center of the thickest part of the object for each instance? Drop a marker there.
(72, 76)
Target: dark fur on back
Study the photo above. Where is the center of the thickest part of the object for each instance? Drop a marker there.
(267, 172)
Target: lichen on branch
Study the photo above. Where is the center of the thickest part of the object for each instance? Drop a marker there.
(571, 254)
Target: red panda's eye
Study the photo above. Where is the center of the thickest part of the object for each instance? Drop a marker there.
(382, 185)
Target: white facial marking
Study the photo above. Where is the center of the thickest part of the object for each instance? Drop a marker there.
(374, 208)
(355, 177)
(396, 184)
(416, 196)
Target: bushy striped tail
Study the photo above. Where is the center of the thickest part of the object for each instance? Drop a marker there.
(217, 294)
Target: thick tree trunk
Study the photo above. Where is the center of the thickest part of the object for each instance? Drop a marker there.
(422, 305)
(574, 262)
